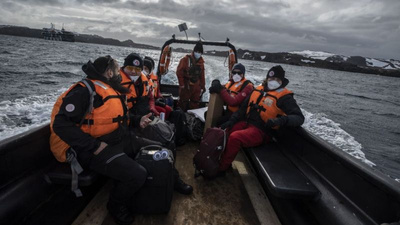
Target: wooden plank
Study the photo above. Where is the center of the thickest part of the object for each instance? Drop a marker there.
(220, 201)
(214, 111)
(262, 206)
(96, 211)
(223, 200)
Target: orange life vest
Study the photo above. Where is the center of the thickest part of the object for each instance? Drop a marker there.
(154, 79)
(101, 121)
(132, 96)
(165, 59)
(234, 89)
(266, 102)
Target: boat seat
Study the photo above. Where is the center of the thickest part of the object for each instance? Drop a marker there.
(279, 174)
(60, 173)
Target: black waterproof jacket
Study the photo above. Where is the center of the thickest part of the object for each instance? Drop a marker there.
(66, 124)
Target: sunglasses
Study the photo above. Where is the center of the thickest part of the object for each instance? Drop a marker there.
(133, 69)
(236, 72)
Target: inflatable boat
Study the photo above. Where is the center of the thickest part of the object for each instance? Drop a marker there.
(297, 178)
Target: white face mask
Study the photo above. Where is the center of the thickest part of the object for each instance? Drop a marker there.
(197, 55)
(273, 84)
(145, 72)
(134, 78)
(236, 78)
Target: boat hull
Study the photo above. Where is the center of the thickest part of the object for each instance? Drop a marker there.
(351, 191)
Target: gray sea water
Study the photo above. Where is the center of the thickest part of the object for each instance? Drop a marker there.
(359, 113)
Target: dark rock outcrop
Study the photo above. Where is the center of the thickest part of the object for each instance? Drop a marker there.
(357, 60)
(85, 38)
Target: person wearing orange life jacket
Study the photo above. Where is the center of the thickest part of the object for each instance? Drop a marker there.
(141, 101)
(140, 97)
(190, 73)
(269, 106)
(234, 92)
(160, 105)
(89, 121)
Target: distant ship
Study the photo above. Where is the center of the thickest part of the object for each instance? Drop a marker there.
(58, 35)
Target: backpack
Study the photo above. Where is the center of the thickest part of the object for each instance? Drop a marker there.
(206, 160)
(195, 127)
(158, 131)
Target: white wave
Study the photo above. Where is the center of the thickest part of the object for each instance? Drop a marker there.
(331, 132)
(24, 114)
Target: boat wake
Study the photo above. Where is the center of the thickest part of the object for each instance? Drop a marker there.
(331, 132)
(23, 114)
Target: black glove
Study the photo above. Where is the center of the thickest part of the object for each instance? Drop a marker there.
(280, 121)
(216, 87)
(227, 124)
(160, 102)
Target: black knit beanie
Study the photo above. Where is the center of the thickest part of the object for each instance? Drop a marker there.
(198, 47)
(239, 66)
(101, 64)
(279, 72)
(134, 59)
(147, 63)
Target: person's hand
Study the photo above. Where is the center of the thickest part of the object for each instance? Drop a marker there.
(280, 121)
(216, 87)
(102, 146)
(144, 121)
(227, 124)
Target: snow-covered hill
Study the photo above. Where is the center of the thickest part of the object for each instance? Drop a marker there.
(391, 64)
(313, 54)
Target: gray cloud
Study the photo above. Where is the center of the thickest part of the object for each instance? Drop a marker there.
(360, 27)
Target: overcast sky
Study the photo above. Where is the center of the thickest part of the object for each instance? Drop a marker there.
(368, 28)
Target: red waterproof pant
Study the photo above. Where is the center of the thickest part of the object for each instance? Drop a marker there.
(242, 134)
(166, 109)
(189, 97)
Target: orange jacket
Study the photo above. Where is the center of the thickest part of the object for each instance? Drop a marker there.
(101, 121)
(132, 95)
(182, 71)
(155, 84)
(267, 102)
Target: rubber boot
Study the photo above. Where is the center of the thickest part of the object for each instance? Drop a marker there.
(182, 187)
(120, 212)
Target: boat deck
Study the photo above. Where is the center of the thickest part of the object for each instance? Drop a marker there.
(224, 200)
